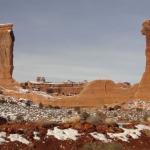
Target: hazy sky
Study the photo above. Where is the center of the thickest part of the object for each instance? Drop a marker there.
(77, 39)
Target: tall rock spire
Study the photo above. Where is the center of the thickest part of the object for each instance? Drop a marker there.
(143, 91)
(6, 52)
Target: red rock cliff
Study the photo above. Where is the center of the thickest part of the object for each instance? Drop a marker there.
(143, 91)
(6, 53)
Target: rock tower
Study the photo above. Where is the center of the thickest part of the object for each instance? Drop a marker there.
(143, 91)
(6, 53)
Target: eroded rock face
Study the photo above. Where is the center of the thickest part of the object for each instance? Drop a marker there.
(6, 52)
(143, 91)
(100, 92)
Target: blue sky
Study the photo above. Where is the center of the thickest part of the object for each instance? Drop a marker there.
(77, 39)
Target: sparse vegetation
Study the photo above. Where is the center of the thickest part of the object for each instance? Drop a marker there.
(2, 100)
(94, 119)
(147, 133)
(40, 105)
(146, 117)
(77, 109)
(1, 92)
(19, 118)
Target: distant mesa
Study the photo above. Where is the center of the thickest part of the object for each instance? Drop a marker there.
(94, 93)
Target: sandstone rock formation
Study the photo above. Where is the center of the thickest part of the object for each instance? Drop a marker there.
(100, 92)
(6, 53)
(143, 91)
(95, 93)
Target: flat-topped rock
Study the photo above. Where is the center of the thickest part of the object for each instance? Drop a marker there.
(7, 26)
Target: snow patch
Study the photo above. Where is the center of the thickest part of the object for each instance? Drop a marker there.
(63, 134)
(142, 127)
(44, 94)
(23, 90)
(100, 136)
(36, 136)
(17, 137)
(2, 137)
(134, 133)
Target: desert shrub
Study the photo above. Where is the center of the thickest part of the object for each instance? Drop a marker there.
(91, 146)
(40, 105)
(116, 107)
(146, 117)
(92, 118)
(146, 132)
(96, 119)
(3, 120)
(102, 146)
(50, 106)
(69, 112)
(28, 103)
(110, 121)
(77, 109)
(139, 109)
(83, 116)
(12, 103)
(105, 106)
(20, 117)
(2, 100)
(112, 146)
(111, 109)
(1, 92)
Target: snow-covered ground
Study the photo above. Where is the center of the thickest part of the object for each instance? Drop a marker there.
(14, 110)
(73, 134)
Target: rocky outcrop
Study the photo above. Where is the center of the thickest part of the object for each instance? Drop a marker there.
(143, 91)
(107, 92)
(6, 53)
(100, 92)
(95, 93)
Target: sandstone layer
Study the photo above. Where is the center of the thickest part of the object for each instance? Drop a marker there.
(143, 91)
(6, 53)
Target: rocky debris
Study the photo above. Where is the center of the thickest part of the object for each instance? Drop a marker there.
(6, 53)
